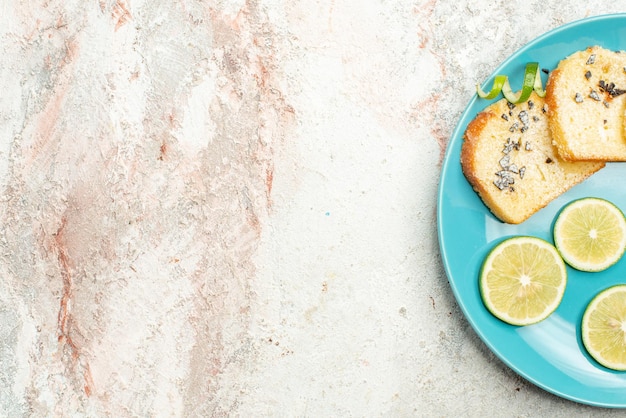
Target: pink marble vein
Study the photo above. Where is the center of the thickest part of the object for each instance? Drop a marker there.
(138, 180)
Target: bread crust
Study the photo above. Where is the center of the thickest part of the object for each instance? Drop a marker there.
(469, 148)
(556, 128)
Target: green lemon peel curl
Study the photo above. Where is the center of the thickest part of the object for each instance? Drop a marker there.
(532, 82)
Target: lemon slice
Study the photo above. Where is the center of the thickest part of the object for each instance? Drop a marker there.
(604, 327)
(522, 280)
(590, 234)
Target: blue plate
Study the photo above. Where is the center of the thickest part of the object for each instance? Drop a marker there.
(549, 354)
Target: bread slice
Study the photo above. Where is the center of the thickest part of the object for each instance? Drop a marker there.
(586, 105)
(508, 157)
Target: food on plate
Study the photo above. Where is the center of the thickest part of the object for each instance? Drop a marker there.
(604, 327)
(508, 158)
(590, 234)
(522, 280)
(585, 105)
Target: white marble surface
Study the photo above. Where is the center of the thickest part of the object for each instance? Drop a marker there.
(227, 208)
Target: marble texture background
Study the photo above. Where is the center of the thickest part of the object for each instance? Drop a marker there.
(227, 208)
